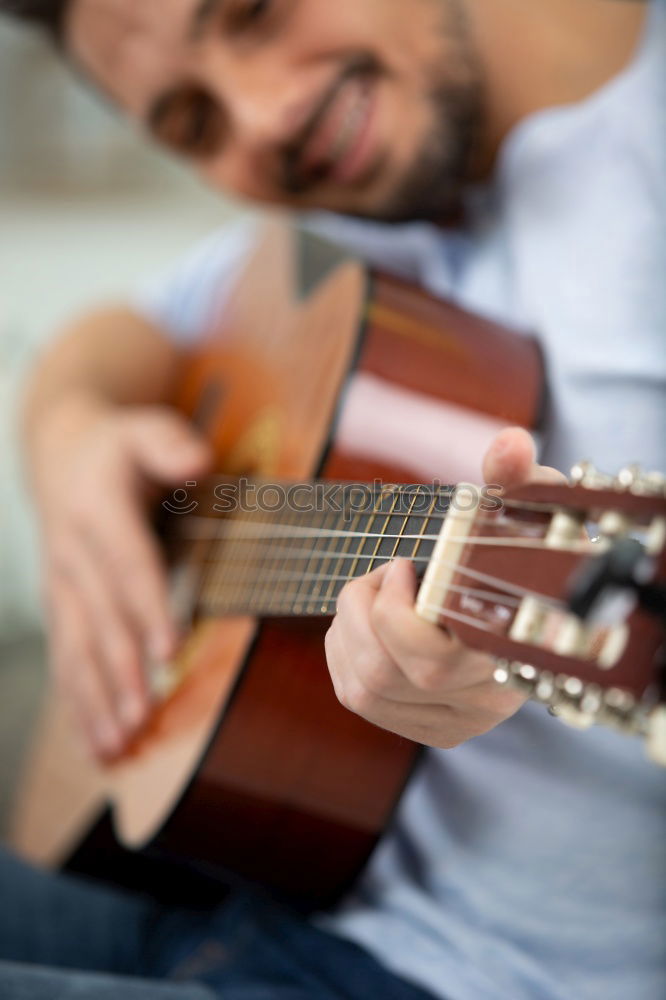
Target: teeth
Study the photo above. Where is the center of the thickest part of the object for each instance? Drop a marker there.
(348, 129)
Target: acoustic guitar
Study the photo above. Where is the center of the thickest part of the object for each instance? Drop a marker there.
(340, 403)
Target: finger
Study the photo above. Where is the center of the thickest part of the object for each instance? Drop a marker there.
(78, 672)
(116, 640)
(166, 447)
(359, 649)
(133, 564)
(510, 458)
(436, 725)
(511, 461)
(443, 716)
(433, 662)
(385, 647)
(364, 587)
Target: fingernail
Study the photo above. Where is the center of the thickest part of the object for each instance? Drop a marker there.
(108, 739)
(161, 646)
(132, 711)
(395, 569)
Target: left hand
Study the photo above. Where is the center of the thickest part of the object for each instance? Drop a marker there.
(407, 675)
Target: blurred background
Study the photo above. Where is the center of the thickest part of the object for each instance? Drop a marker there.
(87, 212)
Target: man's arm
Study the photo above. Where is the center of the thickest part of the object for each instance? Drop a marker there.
(98, 436)
(113, 354)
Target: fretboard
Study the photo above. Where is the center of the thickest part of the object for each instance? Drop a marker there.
(285, 549)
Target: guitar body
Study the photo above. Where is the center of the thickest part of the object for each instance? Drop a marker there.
(319, 370)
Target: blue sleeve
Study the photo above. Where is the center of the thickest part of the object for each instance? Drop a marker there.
(187, 300)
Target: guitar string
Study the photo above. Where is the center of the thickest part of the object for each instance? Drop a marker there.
(297, 554)
(485, 595)
(262, 558)
(536, 506)
(579, 545)
(464, 619)
(295, 596)
(198, 525)
(325, 560)
(308, 555)
(342, 556)
(245, 564)
(502, 586)
(476, 623)
(236, 541)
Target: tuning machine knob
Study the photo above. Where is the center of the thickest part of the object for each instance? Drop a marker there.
(656, 735)
(578, 704)
(633, 479)
(518, 676)
(586, 474)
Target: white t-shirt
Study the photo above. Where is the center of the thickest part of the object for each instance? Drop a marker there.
(530, 863)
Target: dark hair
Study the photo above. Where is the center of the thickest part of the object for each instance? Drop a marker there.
(47, 14)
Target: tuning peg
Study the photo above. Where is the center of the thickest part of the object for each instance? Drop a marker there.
(656, 735)
(621, 711)
(586, 474)
(519, 676)
(651, 483)
(580, 472)
(627, 477)
(633, 478)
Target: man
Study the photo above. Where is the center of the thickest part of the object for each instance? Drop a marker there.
(518, 149)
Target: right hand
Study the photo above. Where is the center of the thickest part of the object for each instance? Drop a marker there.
(94, 468)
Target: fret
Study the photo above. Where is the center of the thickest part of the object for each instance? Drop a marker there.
(424, 527)
(268, 594)
(256, 564)
(366, 531)
(252, 553)
(188, 580)
(338, 570)
(318, 570)
(266, 572)
(316, 601)
(263, 558)
(276, 594)
(236, 551)
(211, 577)
(403, 527)
(383, 530)
(299, 603)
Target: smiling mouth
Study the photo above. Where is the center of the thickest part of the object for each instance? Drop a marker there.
(335, 144)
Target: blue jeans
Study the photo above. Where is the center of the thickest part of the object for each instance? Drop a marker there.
(67, 939)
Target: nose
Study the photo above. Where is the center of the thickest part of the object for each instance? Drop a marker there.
(265, 105)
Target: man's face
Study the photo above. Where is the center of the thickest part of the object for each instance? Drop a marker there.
(366, 107)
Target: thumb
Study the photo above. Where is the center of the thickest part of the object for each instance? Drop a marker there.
(510, 459)
(166, 447)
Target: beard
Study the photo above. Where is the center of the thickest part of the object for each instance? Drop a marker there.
(434, 186)
(448, 162)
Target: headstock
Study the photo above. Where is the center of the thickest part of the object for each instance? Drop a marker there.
(502, 580)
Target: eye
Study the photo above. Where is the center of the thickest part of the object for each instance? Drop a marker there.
(192, 124)
(249, 12)
(257, 8)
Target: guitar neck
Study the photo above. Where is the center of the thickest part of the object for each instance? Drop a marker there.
(289, 549)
